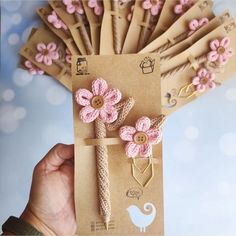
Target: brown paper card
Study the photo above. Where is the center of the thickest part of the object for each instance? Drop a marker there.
(59, 69)
(143, 84)
(167, 18)
(172, 96)
(202, 8)
(76, 27)
(142, 23)
(95, 25)
(179, 47)
(107, 38)
(65, 35)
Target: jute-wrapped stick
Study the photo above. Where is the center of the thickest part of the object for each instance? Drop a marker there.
(183, 67)
(141, 42)
(115, 26)
(102, 158)
(84, 35)
(103, 174)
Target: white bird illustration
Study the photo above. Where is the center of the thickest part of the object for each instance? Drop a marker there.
(139, 219)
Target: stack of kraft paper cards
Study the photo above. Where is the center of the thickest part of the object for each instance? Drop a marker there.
(129, 64)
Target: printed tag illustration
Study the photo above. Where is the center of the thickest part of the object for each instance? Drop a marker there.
(82, 66)
(140, 219)
(147, 65)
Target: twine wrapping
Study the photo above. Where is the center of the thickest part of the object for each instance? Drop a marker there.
(103, 173)
(84, 35)
(183, 67)
(102, 158)
(144, 29)
(115, 26)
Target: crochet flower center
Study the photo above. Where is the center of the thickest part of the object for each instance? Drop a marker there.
(154, 2)
(97, 102)
(221, 50)
(140, 138)
(45, 52)
(204, 80)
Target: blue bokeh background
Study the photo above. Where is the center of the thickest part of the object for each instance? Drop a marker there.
(199, 139)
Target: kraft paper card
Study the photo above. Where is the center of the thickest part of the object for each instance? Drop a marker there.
(135, 209)
(76, 21)
(200, 68)
(195, 36)
(179, 30)
(57, 26)
(52, 56)
(168, 16)
(115, 25)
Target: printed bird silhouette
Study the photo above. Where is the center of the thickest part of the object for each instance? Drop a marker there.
(139, 219)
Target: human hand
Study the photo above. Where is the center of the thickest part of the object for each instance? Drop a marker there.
(51, 207)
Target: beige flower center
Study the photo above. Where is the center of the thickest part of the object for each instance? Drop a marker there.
(45, 52)
(204, 80)
(185, 7)
(221, 50)
(154, 2)
(75, 4)
(140, 138)
(97, 102)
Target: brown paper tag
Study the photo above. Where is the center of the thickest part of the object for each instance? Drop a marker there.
(77, 24)
(200, 33)
(179, 30)
(167, 18)
(60, 69)
(140, 29)
(128, 198)
(115, 25)
(177, 89)
(62, 33)
(95, 25)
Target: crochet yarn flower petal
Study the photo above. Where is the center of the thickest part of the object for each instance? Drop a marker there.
(147, 4)
(41, 47)
(145, 150)
(126, 133)
(112, 96)
(143, 124)
(154, 135)
(214, 44)
(83, 97)
(99, 87)
(178, 9)
(88, 114)
(39, 57)
(212, 56)
(108, 114)
(51, 47)
(132, 149)
(225, 42)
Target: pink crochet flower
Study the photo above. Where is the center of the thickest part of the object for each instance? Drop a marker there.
(73, 6)
(68, 56)
(33, 70)
(195, 24)
(140, 138)
(97, 8)
(130, 15)
(154, 5)
(47, 53)
(220, 51)
(55, 21)
(204, 80)
(98, 103)
(183, 6)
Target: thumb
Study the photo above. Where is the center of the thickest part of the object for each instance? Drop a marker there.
(57, 156)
